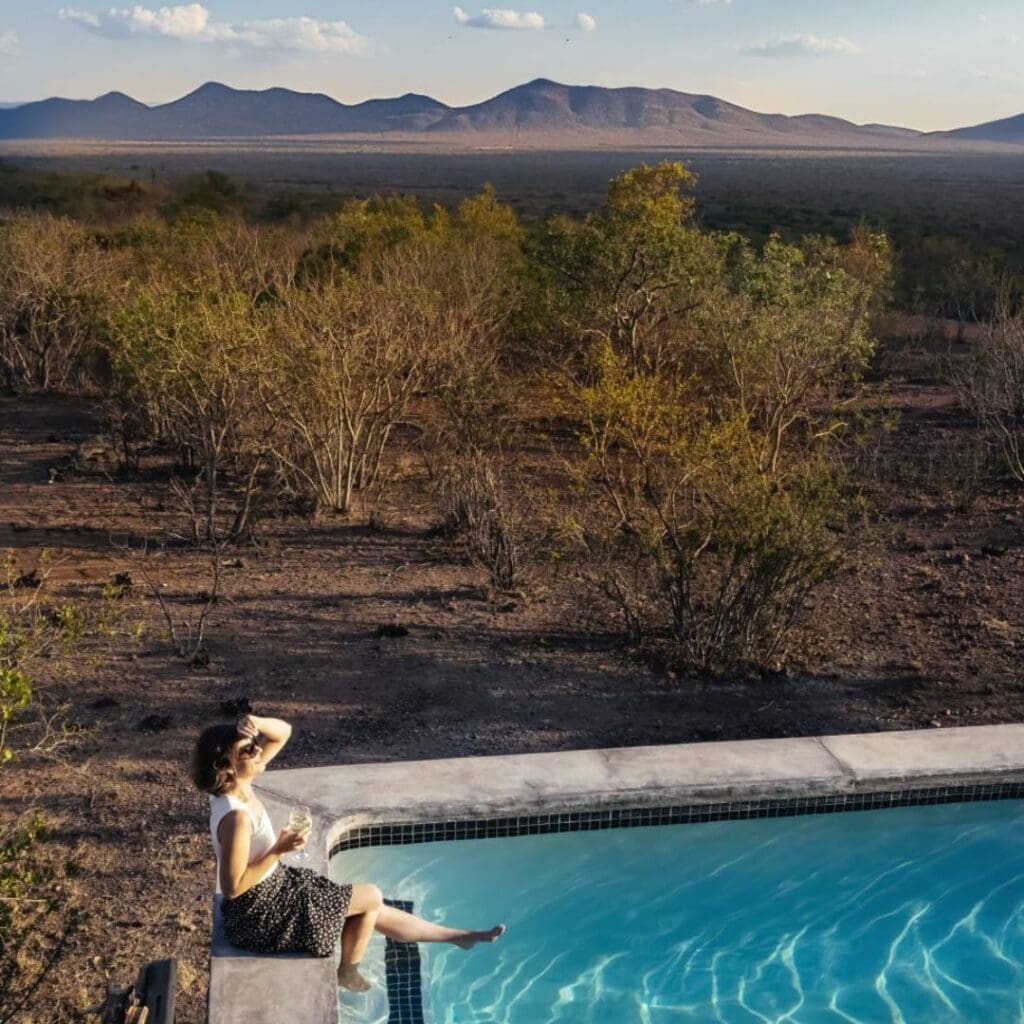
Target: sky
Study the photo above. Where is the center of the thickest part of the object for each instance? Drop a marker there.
(926, 64)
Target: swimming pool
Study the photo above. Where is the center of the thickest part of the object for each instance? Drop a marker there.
(905, 914)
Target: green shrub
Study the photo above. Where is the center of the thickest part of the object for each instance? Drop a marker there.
(705, 379)
(37, 919)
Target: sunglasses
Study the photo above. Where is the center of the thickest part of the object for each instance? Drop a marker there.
(251, 749)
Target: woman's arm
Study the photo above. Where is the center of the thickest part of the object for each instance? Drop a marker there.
(235, 835)
(275, 731)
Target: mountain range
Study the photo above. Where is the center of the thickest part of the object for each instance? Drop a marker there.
(542, 109)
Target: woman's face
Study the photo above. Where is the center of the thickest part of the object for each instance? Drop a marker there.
(247, 757)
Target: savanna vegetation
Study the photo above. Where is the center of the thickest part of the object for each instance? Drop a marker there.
(705, 387)
(703, 382)
(708, 407)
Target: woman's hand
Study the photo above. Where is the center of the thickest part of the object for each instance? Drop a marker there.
(287, 842)
(248, 727)
(274, 733)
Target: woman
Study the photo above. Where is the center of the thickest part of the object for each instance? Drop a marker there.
(269, 907)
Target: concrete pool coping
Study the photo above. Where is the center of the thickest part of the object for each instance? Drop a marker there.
(257, 989)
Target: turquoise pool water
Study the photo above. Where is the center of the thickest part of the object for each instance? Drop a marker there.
(910, 915)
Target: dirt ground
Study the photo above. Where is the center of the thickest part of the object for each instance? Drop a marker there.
(924, 628)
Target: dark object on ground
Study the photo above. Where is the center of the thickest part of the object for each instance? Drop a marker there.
(121, 584)
(115, 1006)
(392, 629)
(235, 706)
(63, 467)
(149, 1001)
(994, 549)
(102, 703)
(157, 984)
(154, 723)
(29, 579)
(201, 659)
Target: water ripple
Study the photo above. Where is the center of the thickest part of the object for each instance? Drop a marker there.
(909, 916)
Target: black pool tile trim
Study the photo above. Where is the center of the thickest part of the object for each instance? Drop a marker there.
(402, 833)
(404, 979)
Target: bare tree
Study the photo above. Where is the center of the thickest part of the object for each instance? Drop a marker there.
(353, 354)
(991, 385)
(195, 360)
(52, 277)
(480, 507)
(186, 630)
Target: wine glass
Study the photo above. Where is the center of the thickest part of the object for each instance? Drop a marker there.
(300, 822)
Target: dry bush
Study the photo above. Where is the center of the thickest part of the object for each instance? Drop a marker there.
(53, 280)
(190, 353)
(36, 626)
(480, 509)
(681, 528)
(278, 376)
(479, 400)
(359, 342)
(36, 917)
(192, 363)
(203, 250)
(351, 356)
(33, 627)
(186, 628)
(991, 386)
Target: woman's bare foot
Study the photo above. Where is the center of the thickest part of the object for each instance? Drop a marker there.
(350, 978)
(470, 939)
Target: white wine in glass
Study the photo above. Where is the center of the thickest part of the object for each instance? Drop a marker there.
(300, 822)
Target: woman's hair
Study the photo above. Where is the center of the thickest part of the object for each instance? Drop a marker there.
(212, 770)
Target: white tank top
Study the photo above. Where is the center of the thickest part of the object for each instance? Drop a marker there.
(263, 836)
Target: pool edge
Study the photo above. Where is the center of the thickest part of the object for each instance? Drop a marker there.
(252, 989)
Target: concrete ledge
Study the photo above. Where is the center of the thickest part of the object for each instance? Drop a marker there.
(539, 783)
(251, 989)
(929, 757)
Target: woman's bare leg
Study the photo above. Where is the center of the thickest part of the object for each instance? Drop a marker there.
(363, 909)
(403, 927)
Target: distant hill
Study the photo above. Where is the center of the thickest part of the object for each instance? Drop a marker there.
(544, 106)
(215, 111)
(1009, 129)
(542, 109)
(55, 119)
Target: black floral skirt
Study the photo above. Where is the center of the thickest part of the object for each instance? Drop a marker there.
(295, 910)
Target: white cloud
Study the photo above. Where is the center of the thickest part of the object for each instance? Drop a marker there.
(84, 18)
(585, 23)
(9, 44)
(300, 34)
(708, 3)
(806, 45)
(192, 22)
(188, 21)
(496, 18)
